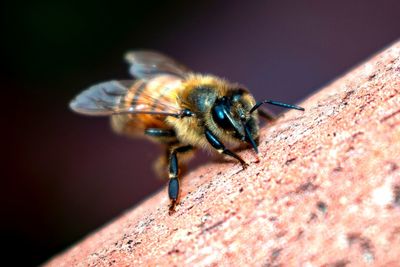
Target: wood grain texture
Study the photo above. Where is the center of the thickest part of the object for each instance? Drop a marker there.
(326, 191)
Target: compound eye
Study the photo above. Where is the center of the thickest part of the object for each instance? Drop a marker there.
(219, 113)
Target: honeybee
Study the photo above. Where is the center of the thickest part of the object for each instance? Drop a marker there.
(177, 108)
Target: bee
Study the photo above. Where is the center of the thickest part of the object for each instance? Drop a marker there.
(177, 108)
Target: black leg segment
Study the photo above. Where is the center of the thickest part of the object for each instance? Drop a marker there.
(173, 189)
(155, 132)
(219, 146)
(173, 185)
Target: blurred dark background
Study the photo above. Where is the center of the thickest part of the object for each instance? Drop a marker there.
(64, 175)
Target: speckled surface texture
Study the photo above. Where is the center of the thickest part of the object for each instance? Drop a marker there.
(326, 191)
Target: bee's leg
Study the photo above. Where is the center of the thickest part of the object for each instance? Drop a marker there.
(173, 185)
(166, 137)
(159, 133)
(266, 115)
(219, 146)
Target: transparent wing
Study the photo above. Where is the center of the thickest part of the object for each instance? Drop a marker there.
(146, 64)
(112, 97)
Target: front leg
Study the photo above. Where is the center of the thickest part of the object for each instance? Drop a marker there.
(219, 146)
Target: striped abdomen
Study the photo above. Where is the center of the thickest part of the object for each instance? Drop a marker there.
(158, 94)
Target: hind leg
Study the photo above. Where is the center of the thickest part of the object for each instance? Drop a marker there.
(167, 164)
(160, 166)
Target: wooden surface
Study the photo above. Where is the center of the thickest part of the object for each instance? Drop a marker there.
(326, 191)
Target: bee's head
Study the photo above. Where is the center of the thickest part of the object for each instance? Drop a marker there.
(232, 114)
